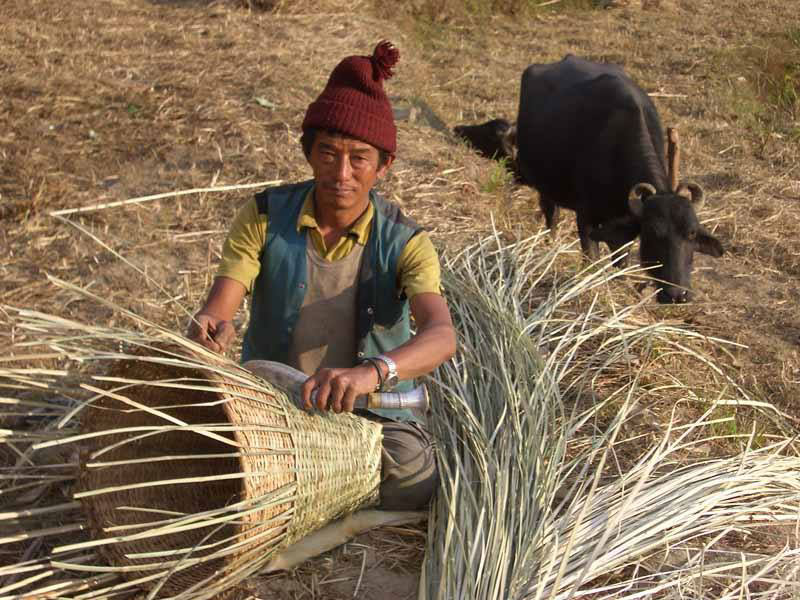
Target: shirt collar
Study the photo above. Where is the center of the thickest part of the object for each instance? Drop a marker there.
(359, 230)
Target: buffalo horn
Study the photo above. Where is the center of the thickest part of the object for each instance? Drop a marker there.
(508, 142)
(641, 191)
(698, 197)
(636, 195)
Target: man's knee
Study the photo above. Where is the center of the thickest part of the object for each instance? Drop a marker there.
(408, 472)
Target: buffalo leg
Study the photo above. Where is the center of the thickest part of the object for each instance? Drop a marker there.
(550, 212)
(622, 261)
(590, 247)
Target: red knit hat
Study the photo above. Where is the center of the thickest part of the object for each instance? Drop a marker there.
(353, 101)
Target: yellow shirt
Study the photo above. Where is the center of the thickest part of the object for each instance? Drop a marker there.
(418, 264)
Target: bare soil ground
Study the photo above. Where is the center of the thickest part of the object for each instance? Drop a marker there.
(103, 102)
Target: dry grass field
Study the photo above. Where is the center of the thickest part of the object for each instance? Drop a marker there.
(104, 102)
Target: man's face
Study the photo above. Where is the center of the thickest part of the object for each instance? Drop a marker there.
(345, 169)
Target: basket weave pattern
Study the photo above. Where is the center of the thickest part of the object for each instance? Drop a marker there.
(286, 472)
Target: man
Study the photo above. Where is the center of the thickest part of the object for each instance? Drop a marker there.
(333, 269)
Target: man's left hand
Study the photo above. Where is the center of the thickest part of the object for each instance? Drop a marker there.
(337, 388)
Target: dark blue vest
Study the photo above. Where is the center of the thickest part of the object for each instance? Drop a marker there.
(382, 313)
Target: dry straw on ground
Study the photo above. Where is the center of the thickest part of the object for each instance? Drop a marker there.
(543, 495)
(121, 100)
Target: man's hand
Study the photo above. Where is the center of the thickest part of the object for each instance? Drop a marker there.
(212, 326)
(337, 388)
(213, 333)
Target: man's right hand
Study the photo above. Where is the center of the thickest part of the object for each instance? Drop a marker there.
(212, 326)
(213, 333)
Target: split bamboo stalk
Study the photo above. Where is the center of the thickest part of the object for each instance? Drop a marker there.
(673, 158)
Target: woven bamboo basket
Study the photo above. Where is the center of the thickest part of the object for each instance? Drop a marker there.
(198, 475)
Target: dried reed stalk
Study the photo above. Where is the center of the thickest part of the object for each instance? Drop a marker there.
(183, 473)
(543, 496)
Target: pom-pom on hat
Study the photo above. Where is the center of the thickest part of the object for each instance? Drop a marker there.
(353, 101)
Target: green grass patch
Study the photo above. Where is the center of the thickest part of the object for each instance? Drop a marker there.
(498, 177)
(738, 424)
(779, 82)
(765, 93)
(724, 422)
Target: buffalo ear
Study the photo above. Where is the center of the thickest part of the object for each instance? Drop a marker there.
(708, 244)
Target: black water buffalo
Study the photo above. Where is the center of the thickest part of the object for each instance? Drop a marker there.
(493, 139)
(589, 139)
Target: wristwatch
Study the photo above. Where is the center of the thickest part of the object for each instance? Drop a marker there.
(391, 378)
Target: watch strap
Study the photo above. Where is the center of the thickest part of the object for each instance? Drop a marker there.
(391, 377)
(374, 363)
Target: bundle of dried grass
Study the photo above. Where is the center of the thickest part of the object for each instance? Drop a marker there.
(543, 493)
(187, 472)
(544, 496)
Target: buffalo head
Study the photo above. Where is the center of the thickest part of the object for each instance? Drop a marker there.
(669, 233)
(495, 139)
